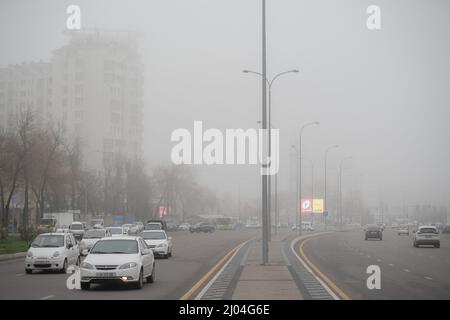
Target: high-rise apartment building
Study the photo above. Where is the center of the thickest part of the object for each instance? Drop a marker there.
(93, 86)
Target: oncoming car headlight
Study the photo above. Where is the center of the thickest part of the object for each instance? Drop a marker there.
(30, 254)
(86, 265)
(56, 254)
(161, 245)
(128, 265)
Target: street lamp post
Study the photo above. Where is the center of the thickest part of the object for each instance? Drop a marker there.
(269, 85)
(312, 186)
(325, 182)
(340, 189)
(297, 208)
(265, 242)
(300, 167)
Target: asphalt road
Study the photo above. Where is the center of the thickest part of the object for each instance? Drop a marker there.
(193, 256)
(406, 272)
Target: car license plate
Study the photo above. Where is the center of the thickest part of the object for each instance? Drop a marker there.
(428, 236)
(105, 274)
(42, 262)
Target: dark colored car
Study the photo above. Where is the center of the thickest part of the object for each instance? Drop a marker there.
(374, 232)
(202, 227)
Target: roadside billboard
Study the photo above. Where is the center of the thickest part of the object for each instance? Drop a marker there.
(317, 205)
(307, 205)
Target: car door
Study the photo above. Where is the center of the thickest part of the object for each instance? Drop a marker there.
(72, 252)
(146, 259)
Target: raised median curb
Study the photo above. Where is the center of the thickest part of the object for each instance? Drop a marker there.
(12, 256)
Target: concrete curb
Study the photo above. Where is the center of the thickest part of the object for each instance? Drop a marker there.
(12, 256)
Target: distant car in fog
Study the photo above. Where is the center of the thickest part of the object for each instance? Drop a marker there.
(91, 237)
(116, 231)
(153, 226)
(184, 226)
(403, 230)
(77, 229)
(158, 241)
(427, 235)
(373, 232)
(202, 227)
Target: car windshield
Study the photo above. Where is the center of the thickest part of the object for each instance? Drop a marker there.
(115, 247)
(76, 226)
(373, 228)
(48, 241)
(94, 234)
(116, 230)
(154, 235)
(427, 230)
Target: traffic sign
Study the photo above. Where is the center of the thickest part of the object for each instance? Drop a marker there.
(306, 205)
(325, 213)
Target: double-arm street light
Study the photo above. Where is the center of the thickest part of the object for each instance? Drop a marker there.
(325, 209)
(315, 123)
(269, 83)
(340, 189)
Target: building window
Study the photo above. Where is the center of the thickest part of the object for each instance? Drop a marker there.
(79, 76)
(79, 115)
(78, 101)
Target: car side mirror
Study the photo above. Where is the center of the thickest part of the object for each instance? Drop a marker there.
(85, 252)
(146, 252)
(69, 246)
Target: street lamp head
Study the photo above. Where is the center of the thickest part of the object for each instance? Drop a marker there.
(245, 71)
(316, 123)
(295, 70)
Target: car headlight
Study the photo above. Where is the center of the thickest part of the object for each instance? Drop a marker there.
(128, 265)
(30, 254)
(56, 254)
(161, 245)
(86, 265)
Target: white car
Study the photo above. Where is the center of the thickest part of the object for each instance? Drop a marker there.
(91, 237)
(153, 226)
(184, 226)
(52, 251)
(116, 231)
(427, 235)
(120, 259)
(403, 230)
(159, 242)
(77, 228)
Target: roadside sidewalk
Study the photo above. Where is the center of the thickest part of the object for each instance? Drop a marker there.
(269, 282)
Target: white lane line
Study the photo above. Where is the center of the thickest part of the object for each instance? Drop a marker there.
(20, 274)
(406, 270)
(390, 265)
(379, 260)
(428, 278)
(47, 297)
(369, 256)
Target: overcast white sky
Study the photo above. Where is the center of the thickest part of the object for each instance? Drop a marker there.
(383, 96)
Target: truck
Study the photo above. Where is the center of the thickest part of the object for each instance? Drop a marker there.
(57, 220)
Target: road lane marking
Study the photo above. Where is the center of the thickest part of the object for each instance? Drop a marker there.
(47, 297)
(369, 256)
(390, 265)
(428, 278)
(203, 279)
(378, 260)
(218, 273)
(323, 284)
(342, 295)
(406, 270)
(20, 274)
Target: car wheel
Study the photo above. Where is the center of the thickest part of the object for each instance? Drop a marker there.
(64, 268)
(415, 245)
(85, 285)
(437, 245)
(140, 282)
(78, 263)
(28, 271)
(151, 278)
